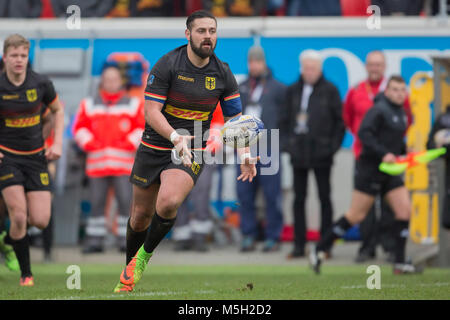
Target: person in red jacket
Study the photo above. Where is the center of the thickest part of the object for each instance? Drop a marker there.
(358, 101)
(108, 128)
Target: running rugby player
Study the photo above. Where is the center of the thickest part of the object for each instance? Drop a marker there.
(183, 90)
(26, 97)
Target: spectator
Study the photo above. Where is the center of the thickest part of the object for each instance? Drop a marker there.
(190, 6)
(354, 8)
(222, 8)
(313, 8)
(436, 8)
(20, 8)
(108, 128)
(88, 8)
(312, 131)
(399, 7)
(359, 100)
(143, 8)
(47, 10)
(121, 9)
(217, 7)
(261, 96)
(440, 137)
(275, 7)
(151, 8)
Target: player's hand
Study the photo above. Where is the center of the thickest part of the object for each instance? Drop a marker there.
(389, 158)
(181, 146)
(248, 169)
(54, 152)
(1, 157)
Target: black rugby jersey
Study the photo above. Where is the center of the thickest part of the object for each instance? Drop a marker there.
(190, 95)
(21, 111)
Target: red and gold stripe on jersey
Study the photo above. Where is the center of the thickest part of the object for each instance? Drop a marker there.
(155, 97)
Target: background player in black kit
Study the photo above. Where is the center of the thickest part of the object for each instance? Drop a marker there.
(26, 97)
(183, 90)
(382, 135)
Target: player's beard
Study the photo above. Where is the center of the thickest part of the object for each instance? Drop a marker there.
(200, 51)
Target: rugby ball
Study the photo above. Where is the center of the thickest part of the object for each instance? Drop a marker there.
(242, 131)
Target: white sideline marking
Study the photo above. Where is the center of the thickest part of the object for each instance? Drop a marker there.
(124, 295)
(437, 284)
(118, 295)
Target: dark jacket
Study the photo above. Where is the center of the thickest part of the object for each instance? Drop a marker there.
(383, 130)
(441, 122)
(20, 8)
(88, 8)
(326, 128)
(271, 101)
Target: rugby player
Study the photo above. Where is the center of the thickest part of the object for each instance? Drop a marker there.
(183, 90)
(382, 136)
(6, 250)
(26, 97)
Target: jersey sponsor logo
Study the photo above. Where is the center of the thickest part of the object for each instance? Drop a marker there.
(10, 96)
(7, 176)
(185, 78)
(210, 83)
(44, 178)
(187, 114)
(23, 122)
(31, 95)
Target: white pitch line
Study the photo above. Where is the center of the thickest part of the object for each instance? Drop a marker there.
(382, 286)
(437, 284)
(119, 295)
(127, 295)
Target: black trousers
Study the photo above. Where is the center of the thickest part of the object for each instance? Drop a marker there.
(446, 207)
(377, 228)
(322, 176)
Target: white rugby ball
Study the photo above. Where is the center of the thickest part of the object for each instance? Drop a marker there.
(242, 131)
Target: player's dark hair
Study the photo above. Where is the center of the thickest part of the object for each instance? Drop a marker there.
(395, 78)
(198, 15)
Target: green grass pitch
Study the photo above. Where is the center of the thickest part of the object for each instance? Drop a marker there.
(228, 282)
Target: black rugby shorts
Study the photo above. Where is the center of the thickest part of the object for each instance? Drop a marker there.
(149, 163)
(30, 171)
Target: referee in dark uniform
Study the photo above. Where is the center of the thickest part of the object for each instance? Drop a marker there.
(382, 135)
(26, 98)
(182, 92)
